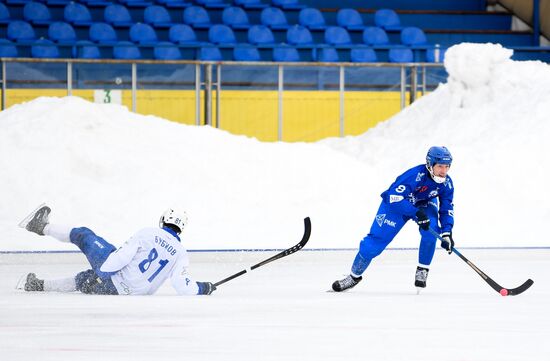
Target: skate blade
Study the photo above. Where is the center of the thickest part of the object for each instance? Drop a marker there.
(21, 283)
(27, 219)
(418, 289)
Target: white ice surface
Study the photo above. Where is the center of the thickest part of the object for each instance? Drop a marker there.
(281, 312)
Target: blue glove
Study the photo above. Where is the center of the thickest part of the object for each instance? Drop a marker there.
(447, 242)
(206, 288)
(422, 219)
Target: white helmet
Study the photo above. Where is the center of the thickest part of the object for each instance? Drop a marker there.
(179, 220)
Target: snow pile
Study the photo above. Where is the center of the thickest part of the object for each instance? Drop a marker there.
(104, 167)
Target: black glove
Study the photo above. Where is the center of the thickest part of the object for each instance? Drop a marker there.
(422, 219)
(447, 242)
(206, 288)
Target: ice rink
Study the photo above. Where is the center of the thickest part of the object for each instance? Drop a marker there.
(282, 311)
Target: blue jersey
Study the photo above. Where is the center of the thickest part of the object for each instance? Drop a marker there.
(414, 189)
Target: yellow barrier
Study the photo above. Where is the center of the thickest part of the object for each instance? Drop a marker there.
(307, 115)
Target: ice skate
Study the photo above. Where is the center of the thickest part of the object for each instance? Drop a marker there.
(420, 278)
(33, 284)
(37, 220)
(346, 283)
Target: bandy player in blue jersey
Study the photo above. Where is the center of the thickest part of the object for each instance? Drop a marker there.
(139, 267)
(423, 193)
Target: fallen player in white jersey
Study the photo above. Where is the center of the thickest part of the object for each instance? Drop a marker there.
(139, 267)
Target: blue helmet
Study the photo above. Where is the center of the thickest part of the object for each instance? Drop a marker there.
(438, 155)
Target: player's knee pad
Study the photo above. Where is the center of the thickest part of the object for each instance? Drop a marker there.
(79, 234)
(371, 247)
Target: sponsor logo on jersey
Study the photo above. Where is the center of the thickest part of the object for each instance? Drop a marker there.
(99, 244)
(381, 220)
(419, 176)
(422, 189)
(394, 198)
(451, 213)
(433, 193)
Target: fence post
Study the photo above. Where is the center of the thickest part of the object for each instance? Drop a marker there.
(342, 85)
(280, 103)
(70, 78)
(4, 82)
(197, 94)
(413, 87)
(218, 93)
(208, 94)
(403, 81)
(134, 86)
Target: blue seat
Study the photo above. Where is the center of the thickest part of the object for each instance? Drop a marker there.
(246, 53)
(221, 34)
(387, 19)
(5, 16)
(197, 17)
(236, 18)
(274, 18)
(36, 13)
(288, 4)
(350, 19)
(435, 55)
(61, 32)
(413, 36)
(400, 55)
(373, 35)
(363, 55)
(78, 14)
(251, 4)
(182, 34)
(212, 4)
(336, 35)
(102, 33)
(174, 4)
(8, 49)
(312, 18)
(260, 34)
(287, 54)
(88, 50)
(117, 15)
(44, 48)
(328, 55)
(157, 16)
(143, 34)
(126, 50)
(20, 31)
(209, 53)
(298, 35)
(165, 50)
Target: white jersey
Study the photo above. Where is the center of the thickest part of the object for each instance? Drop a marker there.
(146, 260)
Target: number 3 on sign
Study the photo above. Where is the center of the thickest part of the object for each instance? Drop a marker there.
(146, 263)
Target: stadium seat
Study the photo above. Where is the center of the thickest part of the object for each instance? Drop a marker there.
(288, 4)
(165, 50)
(88, 50)
(212, 4)
(210, 54)
(102, 33)
(221, 34)
(285, 54)
(349, 19)
(401, 55)
(413, 36)
(312, 18)
(298, 35)
(236, 18)
(363, 55)
(328, 55)
(61, 32)
(373, 35)
(20, 31)
(78, 14)
(435, 55)
(387, 19)
(8, 49)
(260, 34)
(157, 16)
(336, 35)
(182, 34)
(44, 48)
(251, 4)
(5, 16)
(274, 18)
(37, 13)
(174, 4)
(117, 15)
(143, 34)
(126, 50)
(246, 53)
(197, 17)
